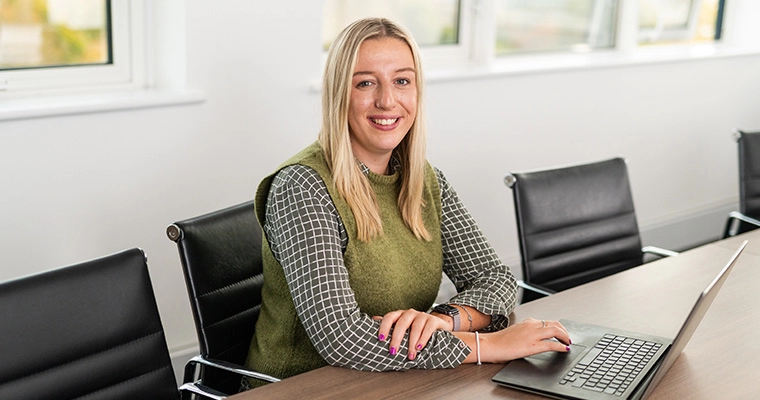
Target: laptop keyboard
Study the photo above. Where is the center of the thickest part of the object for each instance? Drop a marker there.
(612, 364)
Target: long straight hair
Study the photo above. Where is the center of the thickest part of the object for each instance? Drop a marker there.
(335, 139)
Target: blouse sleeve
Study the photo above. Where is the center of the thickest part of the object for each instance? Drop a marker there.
(481, 279)
(307, 237)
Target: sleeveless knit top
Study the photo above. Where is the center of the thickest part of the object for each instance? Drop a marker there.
(395, 271)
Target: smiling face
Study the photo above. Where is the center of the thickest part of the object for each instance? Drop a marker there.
(383, 102)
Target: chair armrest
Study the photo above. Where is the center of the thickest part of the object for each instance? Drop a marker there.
(231, 367)
(536, 288)
(731, 229)
(201, 390)
(659, 251)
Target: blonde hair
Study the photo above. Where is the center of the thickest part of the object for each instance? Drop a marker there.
(335, 140)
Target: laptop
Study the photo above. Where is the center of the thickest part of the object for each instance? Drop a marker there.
(608, 363)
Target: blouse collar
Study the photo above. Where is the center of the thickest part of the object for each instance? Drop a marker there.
(394, 163)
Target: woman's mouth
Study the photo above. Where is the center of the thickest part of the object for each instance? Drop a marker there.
(384, 121)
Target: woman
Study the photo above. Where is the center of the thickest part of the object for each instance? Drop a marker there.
(359, 228)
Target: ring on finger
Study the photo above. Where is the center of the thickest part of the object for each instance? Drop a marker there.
(543, 323)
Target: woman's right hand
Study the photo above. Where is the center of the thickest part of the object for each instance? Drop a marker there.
(522, 339)
(419, 325)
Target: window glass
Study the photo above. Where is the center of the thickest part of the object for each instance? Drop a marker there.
(668, 21)
(46, 33)
(431, 22)
(667, 14)
(554, 25)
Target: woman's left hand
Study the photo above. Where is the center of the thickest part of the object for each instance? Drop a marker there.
(420, 326)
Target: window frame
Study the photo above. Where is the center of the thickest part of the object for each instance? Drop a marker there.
(475, 54)
(735, 40)
(126, 70)
(153, 79)
(684, 32)
(461, 54)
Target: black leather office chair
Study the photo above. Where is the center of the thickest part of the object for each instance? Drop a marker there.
(748, 216)
(221, 260)
(89, 330)
(575, 224)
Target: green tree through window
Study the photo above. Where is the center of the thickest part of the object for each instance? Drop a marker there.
(48, 33)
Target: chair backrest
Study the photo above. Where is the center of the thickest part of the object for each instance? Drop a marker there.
(749, 176)
(575, 224)
(221, 260)
(87, 330)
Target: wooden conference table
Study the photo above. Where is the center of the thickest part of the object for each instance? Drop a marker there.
(721, 361)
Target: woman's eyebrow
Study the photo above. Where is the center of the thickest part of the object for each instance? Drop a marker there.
(409, 69)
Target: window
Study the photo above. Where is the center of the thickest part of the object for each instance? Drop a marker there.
(53, 45)
(668, 21)
(54, 34)
(127, 72)
(482, 31)
(584, 25)
(432, 22)
(440, 27)
(554, 25)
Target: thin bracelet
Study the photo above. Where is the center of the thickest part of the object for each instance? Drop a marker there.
(469, 317)
(477, 345)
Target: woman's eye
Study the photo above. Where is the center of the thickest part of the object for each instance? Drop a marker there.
(402, 81)
(363, 84)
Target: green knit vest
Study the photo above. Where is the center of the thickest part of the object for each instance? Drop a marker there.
(393, 272)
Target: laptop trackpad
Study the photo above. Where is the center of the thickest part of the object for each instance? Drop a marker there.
(551, 361)
(544, 369)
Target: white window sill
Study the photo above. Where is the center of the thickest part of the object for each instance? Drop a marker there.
(549, 63)
(15, 108)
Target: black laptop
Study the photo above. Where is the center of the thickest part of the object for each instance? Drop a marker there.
(607, 363)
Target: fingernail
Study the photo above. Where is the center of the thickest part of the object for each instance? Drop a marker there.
(412, 355)
(393, 351)
(568, 348)
(381, 337)
(419, 347)
(569, 341)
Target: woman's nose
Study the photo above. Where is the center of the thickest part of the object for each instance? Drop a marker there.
(385, 99)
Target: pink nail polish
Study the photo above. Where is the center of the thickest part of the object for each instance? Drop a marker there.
(568, 348)
(419, 347)
(412, 355)
(381, 337)
(393, 351)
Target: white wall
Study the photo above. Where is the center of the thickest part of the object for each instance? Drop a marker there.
(78, 187)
